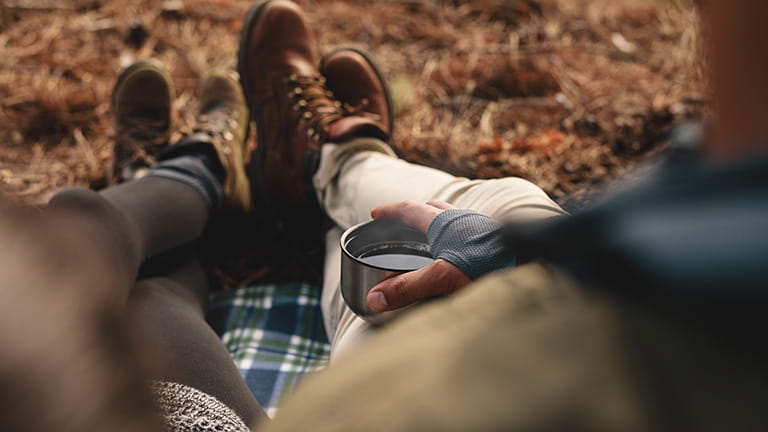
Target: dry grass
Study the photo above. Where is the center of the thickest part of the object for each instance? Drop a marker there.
(566, 93)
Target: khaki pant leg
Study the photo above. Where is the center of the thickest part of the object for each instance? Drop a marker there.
(364, 173)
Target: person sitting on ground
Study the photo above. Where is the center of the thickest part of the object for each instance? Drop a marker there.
(322, 123)
(632, 316)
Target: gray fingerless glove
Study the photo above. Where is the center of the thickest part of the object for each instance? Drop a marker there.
(470, 241)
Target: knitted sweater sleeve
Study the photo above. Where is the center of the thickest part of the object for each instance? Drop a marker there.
(186, 409)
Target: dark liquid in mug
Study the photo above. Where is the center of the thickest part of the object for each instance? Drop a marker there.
(397, 261)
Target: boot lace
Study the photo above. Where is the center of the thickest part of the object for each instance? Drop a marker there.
(219, 123)
(139, 141)
(318, 108)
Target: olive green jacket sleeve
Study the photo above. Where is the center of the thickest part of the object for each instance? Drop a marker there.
(518, 350)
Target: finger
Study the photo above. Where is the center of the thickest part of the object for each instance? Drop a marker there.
(415, 214)
(438, 278)
(442, 205)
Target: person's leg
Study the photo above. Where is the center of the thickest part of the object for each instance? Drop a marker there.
(167, 213)
(169, 206)
(134, 220)
(131, 221)
(172, 309)
(361, 174)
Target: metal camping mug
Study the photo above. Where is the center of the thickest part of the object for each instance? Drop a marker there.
(374, 251)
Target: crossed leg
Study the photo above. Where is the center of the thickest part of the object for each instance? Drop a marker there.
(140, 219)
(362, 174)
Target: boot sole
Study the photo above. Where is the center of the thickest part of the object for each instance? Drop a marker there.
(128, 72)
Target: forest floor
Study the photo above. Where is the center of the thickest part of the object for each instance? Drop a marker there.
(565, 93)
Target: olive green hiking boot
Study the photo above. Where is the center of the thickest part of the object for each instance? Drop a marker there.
(141, 104)
(224, 115)
(221, 130)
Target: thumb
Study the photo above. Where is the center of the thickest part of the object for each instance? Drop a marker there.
(439, 278)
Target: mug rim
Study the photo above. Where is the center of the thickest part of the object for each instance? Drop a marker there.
(352, 229)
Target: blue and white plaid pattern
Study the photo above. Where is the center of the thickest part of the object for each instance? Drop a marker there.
(275, 334)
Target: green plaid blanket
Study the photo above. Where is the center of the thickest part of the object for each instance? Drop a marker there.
(275, 334)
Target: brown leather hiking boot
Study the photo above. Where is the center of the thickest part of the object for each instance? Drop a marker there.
(141, 105)
(355, 80)
(221, 130)
(294, 112)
